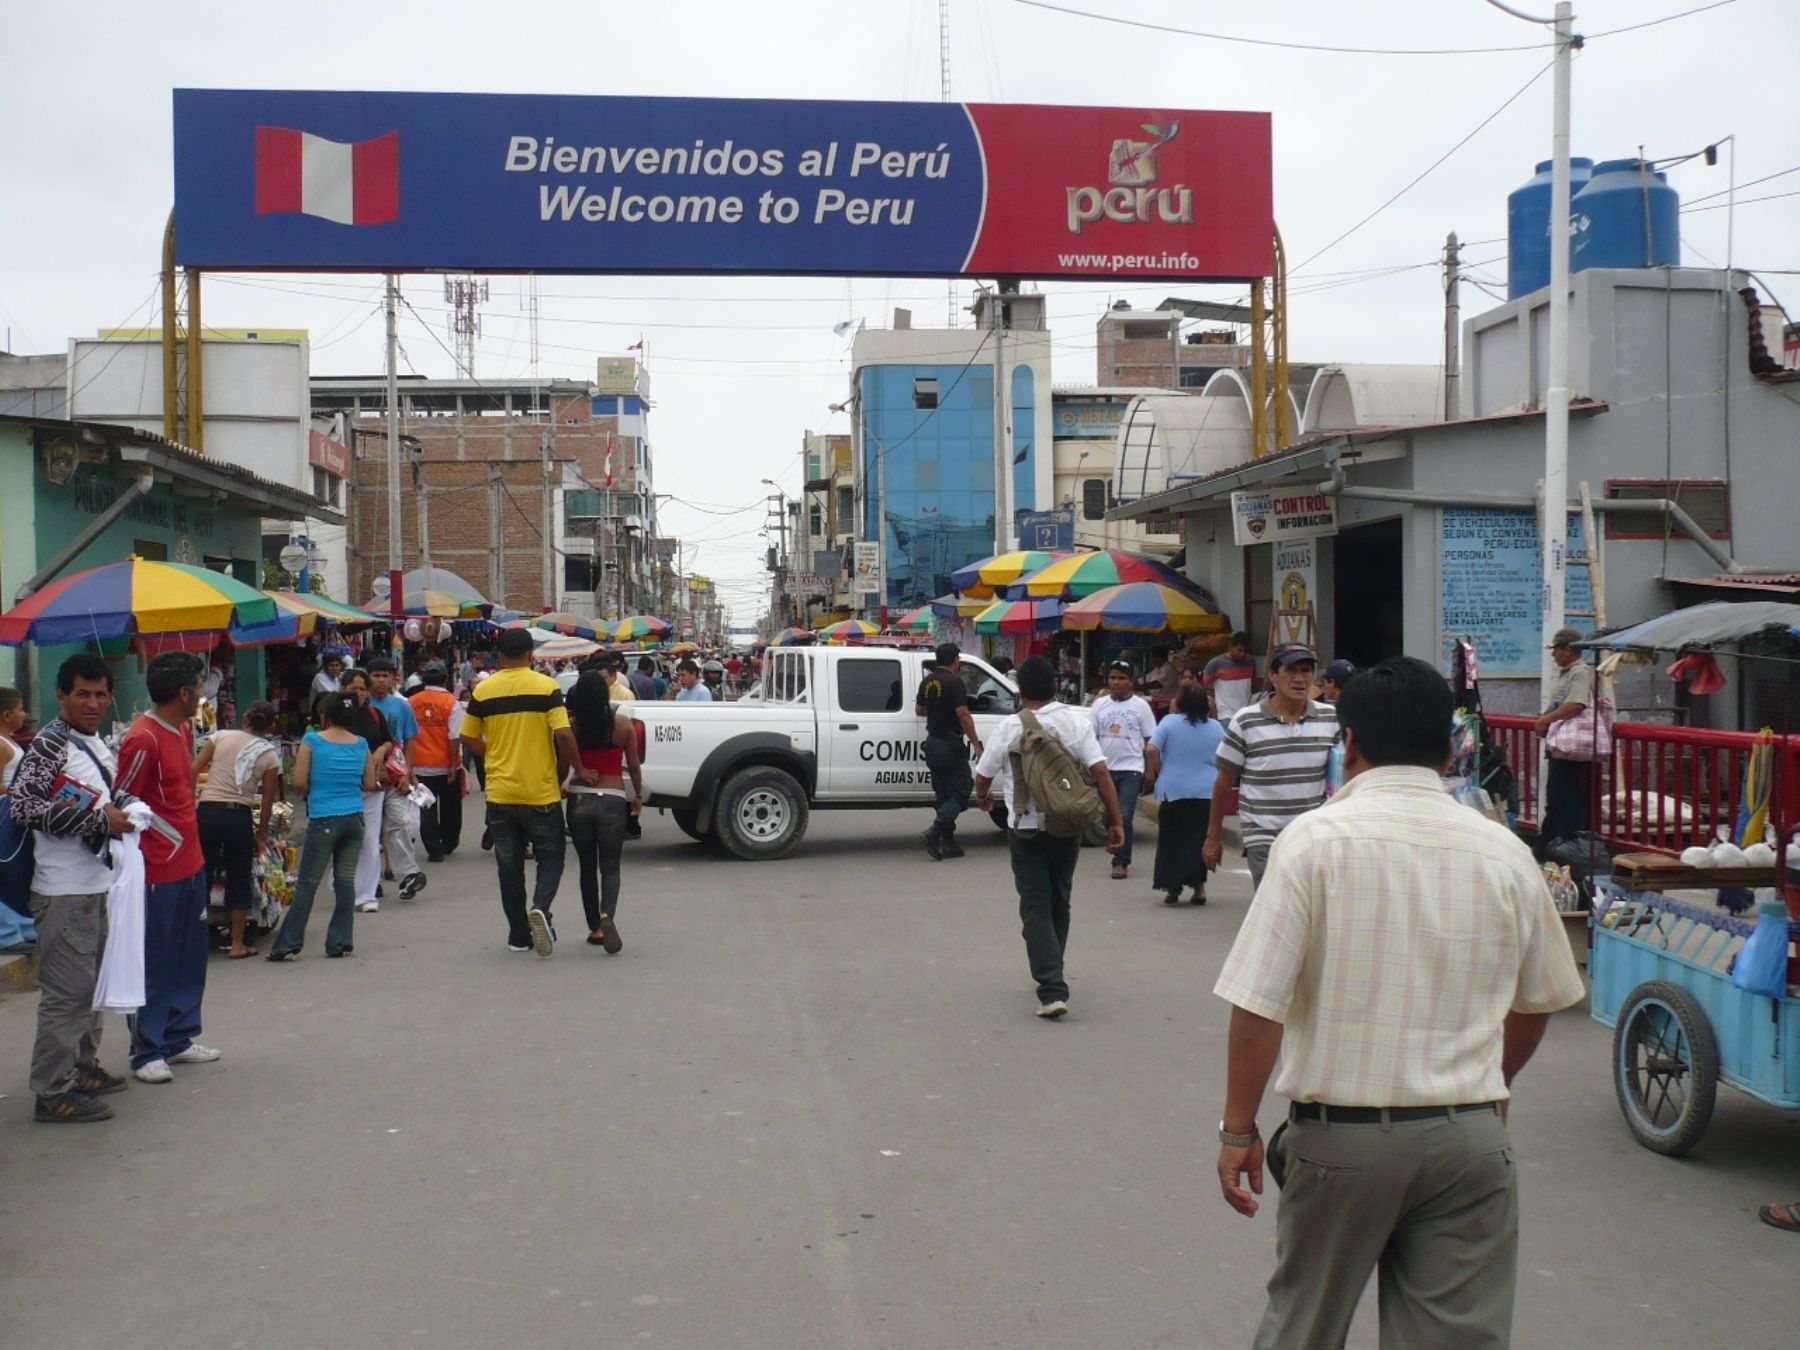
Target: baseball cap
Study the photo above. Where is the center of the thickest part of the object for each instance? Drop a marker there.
(1565, 637)
(1338, 672)
(1291, 653)
(515, 642)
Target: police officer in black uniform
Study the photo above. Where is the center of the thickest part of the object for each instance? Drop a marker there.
(944, 704)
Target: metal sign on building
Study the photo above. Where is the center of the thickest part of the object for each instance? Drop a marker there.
(394, 182)
(1047, 529)
(1275, 515)
(866, 569)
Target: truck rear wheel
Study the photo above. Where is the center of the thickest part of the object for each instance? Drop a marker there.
(687, 820)
(761, 814)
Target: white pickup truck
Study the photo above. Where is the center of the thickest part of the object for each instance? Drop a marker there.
(829, 728)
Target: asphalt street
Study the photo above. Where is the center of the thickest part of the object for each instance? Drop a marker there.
(807, 1106)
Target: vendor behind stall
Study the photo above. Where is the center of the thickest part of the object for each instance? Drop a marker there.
(1569, 781)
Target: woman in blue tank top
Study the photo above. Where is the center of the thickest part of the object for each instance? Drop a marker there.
(334, 769)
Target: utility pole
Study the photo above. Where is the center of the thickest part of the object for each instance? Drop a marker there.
(396, 598)
(418, 476)
(1555, 529)
(999, 321)
(496, 541)
(1452, 325)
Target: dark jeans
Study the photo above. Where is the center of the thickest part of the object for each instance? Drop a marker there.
(597, 826)
(1044, 873)
(175, 946)
(334, 842)
(1180, 839)
(440, 824)
(1128, 782)
(228, 839)
(952, 784)
(1566, 791)
(513, 827)
(477, 763)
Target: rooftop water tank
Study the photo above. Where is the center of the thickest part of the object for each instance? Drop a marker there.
(1528, 227)
(1626, 216)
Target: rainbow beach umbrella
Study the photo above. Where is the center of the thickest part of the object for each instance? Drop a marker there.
(959, 606)
(1020, 616)
(1081, 574)
(430, 604)
(139, 597)
(850, 630)
(914, 622)
(793, 637)
(570, 625)
(322, 612)
(983, 580)
(641, 628)
(1143, 607)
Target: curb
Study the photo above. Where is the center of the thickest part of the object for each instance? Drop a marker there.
(18, 973)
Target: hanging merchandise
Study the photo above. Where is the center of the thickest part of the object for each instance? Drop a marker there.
(1699, 671)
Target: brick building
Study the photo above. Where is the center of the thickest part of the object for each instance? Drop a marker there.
(502, 465)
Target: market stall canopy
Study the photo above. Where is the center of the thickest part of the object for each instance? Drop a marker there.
(1699, 626)
(433, 605)
(323, 610)
(914, 621)
(570, 625)
(641, 628)
(1020, 616)
(560, 646)
(983, 579)
(1081, 574)
(793, 637)
(152, 599)
(959, 606)
(1143, 607)
(850, 630)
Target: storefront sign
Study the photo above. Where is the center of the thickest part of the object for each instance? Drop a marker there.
(1088, 421)
(1272, 516)
(1493, 586)
(394, 182)
(324, 453)
(1296, 589)
(1047, 529)
(866, 570)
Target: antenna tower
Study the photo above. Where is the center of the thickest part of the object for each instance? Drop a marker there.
(465, 296)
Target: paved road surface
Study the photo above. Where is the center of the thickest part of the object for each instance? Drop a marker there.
(807, 1106)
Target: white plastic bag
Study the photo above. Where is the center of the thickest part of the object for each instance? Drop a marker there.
(120, 987)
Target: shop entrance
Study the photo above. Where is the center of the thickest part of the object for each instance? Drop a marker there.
(1368, 614)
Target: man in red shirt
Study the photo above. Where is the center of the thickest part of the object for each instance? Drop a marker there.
(156, 759)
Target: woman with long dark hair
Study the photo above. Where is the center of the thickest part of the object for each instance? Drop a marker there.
(335, 769)
(598, 814)
(1188, 741)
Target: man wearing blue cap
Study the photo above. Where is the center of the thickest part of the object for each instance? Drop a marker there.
(1274, 756)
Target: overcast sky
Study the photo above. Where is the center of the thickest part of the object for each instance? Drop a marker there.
(741, 367)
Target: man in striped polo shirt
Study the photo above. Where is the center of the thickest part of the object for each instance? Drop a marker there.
(1273, 755)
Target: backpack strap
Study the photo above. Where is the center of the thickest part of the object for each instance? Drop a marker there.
(1028, 720)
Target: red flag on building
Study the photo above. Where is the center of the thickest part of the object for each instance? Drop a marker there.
(609, 455)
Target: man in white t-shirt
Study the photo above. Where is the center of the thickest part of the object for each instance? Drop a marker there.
(1043, 864)
(64, 792)
(1124, 724)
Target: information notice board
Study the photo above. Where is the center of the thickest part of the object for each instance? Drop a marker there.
(1494, 582)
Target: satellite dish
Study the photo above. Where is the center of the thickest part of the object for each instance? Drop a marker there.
(293, 558)
(382, 584)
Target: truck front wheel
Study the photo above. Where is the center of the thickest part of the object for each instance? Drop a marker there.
(761, 813)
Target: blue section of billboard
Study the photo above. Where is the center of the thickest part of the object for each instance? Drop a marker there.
(412, 182)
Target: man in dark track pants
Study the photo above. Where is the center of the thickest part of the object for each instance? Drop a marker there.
(944, 704)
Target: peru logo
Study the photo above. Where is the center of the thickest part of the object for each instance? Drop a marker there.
(350, 182)
(1132, 197)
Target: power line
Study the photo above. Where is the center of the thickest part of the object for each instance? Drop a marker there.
(1767, 177)
(1276, 42)
(1652, 23)
(1742, 201)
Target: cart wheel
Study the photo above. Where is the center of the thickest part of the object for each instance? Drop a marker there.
(1665, 1067)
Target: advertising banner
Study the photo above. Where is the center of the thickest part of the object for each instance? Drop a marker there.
(1296, 589)
(379, 182)
(1493, 581)
(866, 573)
(1265, 516)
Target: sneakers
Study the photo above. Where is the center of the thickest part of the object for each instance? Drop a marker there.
(609, 935)
(1055, 1008)
(368, 907)
(411, 884)
(197, 1053)
(518, 946)
(97, 1082)
(949, 847)
(156, 1071)
(73, 1107)
(543, 936)
(934, 844)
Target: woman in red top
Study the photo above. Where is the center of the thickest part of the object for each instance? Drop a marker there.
(598, 814)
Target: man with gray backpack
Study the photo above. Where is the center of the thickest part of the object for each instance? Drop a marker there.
(1058, 794)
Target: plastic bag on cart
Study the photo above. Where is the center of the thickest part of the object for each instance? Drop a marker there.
(1587, 856)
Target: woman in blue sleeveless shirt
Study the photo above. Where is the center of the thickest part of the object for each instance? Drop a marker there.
(335, 767)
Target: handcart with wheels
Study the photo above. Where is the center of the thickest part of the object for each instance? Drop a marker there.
(1661, 972)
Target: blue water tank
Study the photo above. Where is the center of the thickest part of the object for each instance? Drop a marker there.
(1626, 216)
(1528, 227)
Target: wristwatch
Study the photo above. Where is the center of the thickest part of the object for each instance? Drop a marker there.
(1231, 1140)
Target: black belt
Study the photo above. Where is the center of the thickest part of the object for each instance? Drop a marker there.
(1377, 1115)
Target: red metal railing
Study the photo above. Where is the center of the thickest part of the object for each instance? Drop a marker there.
(1664, 788)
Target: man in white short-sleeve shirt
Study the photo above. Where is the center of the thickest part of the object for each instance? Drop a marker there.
(1124, 724)
(1402, 958)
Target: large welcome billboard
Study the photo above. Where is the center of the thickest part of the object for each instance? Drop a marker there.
(380, 182)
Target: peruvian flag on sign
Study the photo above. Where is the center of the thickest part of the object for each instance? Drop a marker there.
(609, 455)
(351, 182)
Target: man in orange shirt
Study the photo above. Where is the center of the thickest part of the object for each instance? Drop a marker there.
(437, 760)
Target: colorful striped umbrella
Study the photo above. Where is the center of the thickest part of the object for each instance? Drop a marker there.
(983, 580)
(1020, 616)
(640, 628)
(915, 621)
(684, 648)
(324, 611)
(570, 625)
(1142, 607)
(432, 605)
(850, 630)
(793, 637)
(1753, 804)
(142, 597)
(1081, 574)
(959, 606)
(560, 646)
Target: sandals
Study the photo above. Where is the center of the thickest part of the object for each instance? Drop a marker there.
(1172, 897)
(1198, 897)
(244, 955)
(1784, 1217)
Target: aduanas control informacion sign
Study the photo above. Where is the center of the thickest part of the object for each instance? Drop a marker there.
(377, 182)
